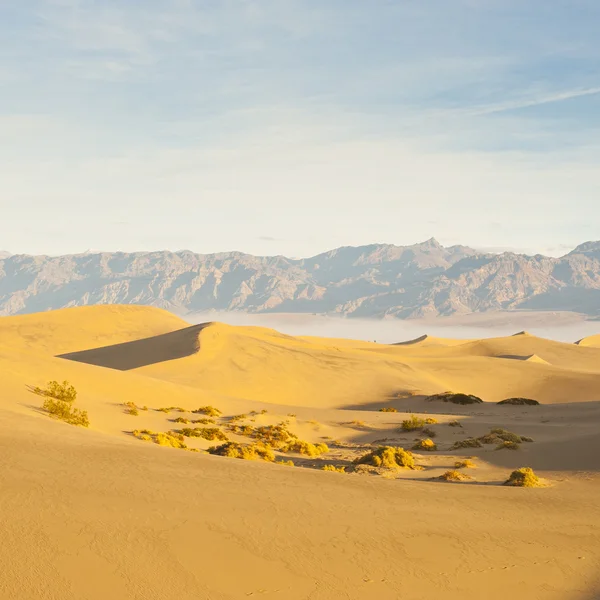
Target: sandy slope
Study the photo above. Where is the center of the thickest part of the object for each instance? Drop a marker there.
(95, 513)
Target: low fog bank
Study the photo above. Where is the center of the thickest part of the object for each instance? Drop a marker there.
(562, 326)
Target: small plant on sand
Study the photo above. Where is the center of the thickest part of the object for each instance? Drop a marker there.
(144, 408)
(454, 424)
(131, 409)
(245, 452)
(264, 411)
(59, 400)
(427, 445)
(204, 421)
(468, 443)
(356, 423)
(181, 420)
(429, 432)
(455, 476)
(388, 409)
(274, 436)
(209, 411)
(388, 457)
(456, 398)
(292, 415)
(465, 464)
(431, 421)
(413, 423)
(246, 430)
(237, 418)
(519, 402)
(333, 469)
(285, 463)
(508, 446)
(523, 477)
(211, 434)
(171, 439)
(306, 448)
(168, 409)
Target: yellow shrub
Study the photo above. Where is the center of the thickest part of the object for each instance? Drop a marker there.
(210, 411)
(333, 469)
(306, 448)
(250, 452)
(388, 457)
(455, 476)
(388, 409)
(59, 399)
(427, 445)
(465, 464)
(523, 477)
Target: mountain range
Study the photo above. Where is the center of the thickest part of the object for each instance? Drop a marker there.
(378, 280)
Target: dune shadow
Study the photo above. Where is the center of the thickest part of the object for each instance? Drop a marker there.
(140, 353)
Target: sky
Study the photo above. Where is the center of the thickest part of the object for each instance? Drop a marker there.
(296, 126)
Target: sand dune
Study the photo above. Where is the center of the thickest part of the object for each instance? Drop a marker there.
(592, 340)
(95, 513)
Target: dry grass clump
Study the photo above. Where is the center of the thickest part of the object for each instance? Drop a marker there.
(523, 477)
(264, 411)
(59, 400)
(456, 398)
(454, 476)
(519, 402)
(131, 409)
(246, 430)
(427, 431)
(274, 436)
(171, 439)
(168, 409)
(454, 424)
(204, 421)
(388, 409)
(465, 464)
(427, 445)
(333, 469)
(236, 418)
(507, 446)
(305, 448)
(388, 457)
(245, 452)
(468, 443)
(181, 420)
(499, 435)
(415, 423)
(207, 433)
(209, 411)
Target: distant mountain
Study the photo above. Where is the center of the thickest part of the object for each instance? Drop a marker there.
(380, 280)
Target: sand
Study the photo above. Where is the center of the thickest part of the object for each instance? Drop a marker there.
(96, 513)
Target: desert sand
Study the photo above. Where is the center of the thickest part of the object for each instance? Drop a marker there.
(95, 513)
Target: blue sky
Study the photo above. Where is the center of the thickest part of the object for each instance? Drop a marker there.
(291, 127)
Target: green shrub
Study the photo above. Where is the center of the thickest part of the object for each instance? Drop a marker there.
(249, 452)
(456, 398)
(520, 402)
(388, 409)
(209, 411)
(426, 445)
(468, 443)
(58, 402)
(388, 457)
(523, 477)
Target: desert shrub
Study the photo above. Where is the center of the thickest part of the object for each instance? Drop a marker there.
(524, 438)
(523, 477)
(498, 434)
(455, 476)
(489, 438)
(455, 424)
(508, 446)
(168, 409)
(204, 421)
(355, 423)
(286, 463)
(207, 433)
(431, 421)
(209, 411)
(181, 420)
(388, 457)
(131, 409)
(236, 418)
(306, 448)
(174, 440)
(292, 415)
(468, 443)
(333, 469)
(388, 409)
(520, 402)
(465, 464)
(427, 445)
(58, 402)
(428, 432)
(245, 452)
(413, 423)
(264, 411)
(275, 436)
(144, 408)
(246, 430)
(456, 398)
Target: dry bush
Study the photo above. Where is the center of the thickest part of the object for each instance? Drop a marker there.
(204, 421)
(431, 421)
(264, 411)
(428, 432)
(59, 400)
(275, 436)
(333, 469)
(211, 434)
(168, 409)
(468, 443)
(413, 423)
(305, 448)
(388, 457)
(454, 424)
(181, 420)
(519, 402)
(426, 445)
(236, 418)
(456, 398)
(131, 409)
(388, 409)
(455, 476)
(465, 464)
(246, 430)
(286, 463)
(508, 446)
(209, 411)
(523, 477)
(249, 452)
(171, 439)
